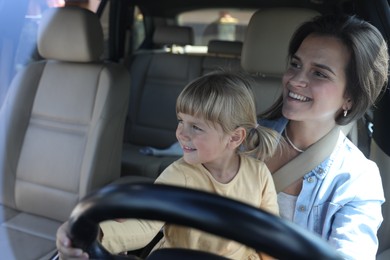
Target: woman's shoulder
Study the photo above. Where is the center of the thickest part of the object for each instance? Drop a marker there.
(354, 174)
(352, 160)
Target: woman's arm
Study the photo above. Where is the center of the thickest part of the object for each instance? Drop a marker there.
(353, 231)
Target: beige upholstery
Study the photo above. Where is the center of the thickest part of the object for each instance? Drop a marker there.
(383, 162)
(265, 48)
(61, 130)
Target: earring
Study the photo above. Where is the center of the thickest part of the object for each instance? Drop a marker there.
(345, 113)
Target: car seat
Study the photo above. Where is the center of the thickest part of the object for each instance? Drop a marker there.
(61, 128)
(380, 153)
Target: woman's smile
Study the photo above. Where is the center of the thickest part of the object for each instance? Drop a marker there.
(298, 97)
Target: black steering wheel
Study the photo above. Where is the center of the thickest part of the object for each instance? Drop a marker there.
(192, 208)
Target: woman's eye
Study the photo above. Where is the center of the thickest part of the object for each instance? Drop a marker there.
(294, 64)
(320, 74)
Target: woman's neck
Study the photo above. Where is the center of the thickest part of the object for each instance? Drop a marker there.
(303, 134)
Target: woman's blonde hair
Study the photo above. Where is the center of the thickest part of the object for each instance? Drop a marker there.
(226, 99)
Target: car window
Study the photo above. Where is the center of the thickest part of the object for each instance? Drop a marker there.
(216, 24)
(138, 28)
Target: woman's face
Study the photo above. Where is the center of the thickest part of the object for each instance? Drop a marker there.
(315, 81)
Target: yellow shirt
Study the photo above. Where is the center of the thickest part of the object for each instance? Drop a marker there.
(253, 185)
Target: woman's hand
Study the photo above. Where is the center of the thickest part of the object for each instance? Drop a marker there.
(64, 245)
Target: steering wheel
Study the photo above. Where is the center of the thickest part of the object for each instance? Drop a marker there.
(208, 212)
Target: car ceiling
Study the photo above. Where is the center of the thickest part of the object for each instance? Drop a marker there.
(169, 8)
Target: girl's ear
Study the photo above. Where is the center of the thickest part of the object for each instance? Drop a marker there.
(237, 137)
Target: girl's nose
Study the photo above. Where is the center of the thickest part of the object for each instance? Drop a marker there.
(182, 132)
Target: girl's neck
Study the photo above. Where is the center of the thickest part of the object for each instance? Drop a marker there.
(225, 170)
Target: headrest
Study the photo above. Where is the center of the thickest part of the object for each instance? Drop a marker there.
(70, 34)
(267, 38)
(178, 35)
(220, 47)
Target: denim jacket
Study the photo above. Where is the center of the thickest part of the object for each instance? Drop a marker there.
(341, 199)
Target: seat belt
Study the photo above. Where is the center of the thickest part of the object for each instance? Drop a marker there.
(309, 159)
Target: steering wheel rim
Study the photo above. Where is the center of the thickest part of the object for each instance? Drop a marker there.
(197, 209)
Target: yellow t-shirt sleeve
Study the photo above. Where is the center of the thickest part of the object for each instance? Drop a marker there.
(133, 234)
(128, 235)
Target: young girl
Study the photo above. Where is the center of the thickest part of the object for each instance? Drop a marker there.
(217, 130)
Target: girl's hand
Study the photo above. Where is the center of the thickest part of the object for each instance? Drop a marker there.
(64, 246)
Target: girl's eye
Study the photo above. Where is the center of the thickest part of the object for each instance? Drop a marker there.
(179, 121)
(196, 128)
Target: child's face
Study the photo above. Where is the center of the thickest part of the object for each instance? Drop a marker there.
(201, 142)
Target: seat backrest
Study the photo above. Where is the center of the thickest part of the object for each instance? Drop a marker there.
(61, 125)
(222, 55)
(157, 78)
(264, 52)
(173, 35)
(380, 153)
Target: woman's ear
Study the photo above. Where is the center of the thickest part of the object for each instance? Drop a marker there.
(347, 104)
(237, 137)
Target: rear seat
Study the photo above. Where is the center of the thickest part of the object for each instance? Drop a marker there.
(222, 55)
(157, 79)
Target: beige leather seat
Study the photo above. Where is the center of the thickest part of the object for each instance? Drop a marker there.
(61, 131)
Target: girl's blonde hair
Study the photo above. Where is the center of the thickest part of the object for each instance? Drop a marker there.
(226, 98)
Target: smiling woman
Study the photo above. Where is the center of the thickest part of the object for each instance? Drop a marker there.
(338, 66)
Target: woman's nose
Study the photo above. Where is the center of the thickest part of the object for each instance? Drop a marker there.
(299, 79)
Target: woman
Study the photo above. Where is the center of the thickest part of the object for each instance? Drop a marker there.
(337, 69)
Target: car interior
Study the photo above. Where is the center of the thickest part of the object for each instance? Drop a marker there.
(98, 90)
